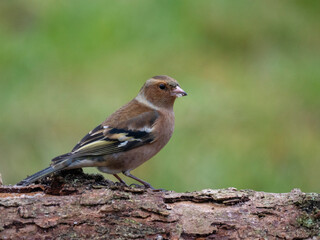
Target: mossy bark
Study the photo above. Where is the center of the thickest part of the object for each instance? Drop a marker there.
(80, 206)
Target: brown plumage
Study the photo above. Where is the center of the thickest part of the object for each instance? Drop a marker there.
(128, 137)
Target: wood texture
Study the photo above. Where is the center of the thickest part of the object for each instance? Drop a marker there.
(80, 206)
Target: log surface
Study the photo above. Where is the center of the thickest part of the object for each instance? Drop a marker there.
(81, 206)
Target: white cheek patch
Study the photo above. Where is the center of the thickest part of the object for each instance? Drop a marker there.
(123, 144)
(142, 99)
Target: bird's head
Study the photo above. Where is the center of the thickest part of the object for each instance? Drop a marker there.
(161, 91)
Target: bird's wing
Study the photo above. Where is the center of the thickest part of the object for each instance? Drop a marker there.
(105, 140)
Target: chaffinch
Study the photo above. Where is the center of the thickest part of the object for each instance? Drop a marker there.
(128, 138)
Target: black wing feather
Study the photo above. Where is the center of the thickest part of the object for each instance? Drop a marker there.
(108, 145)
(109, 140)
(92, 136)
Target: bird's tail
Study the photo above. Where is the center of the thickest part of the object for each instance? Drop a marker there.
(36, 176)
(60, 162)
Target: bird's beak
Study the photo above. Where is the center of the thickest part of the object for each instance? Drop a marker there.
(178, 92)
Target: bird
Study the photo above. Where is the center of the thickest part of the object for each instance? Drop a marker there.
(127, 138)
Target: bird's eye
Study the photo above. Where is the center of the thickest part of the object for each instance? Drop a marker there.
(162, 86)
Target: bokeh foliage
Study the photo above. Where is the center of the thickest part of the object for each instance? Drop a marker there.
(251, 69)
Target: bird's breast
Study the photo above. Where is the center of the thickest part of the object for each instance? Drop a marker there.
(163, 129)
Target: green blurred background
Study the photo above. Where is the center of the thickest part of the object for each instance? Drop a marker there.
(251, 69)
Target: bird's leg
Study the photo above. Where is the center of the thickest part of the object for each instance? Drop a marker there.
(128, 174)
(120, 180)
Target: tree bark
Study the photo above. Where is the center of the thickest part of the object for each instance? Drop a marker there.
(81, 206)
